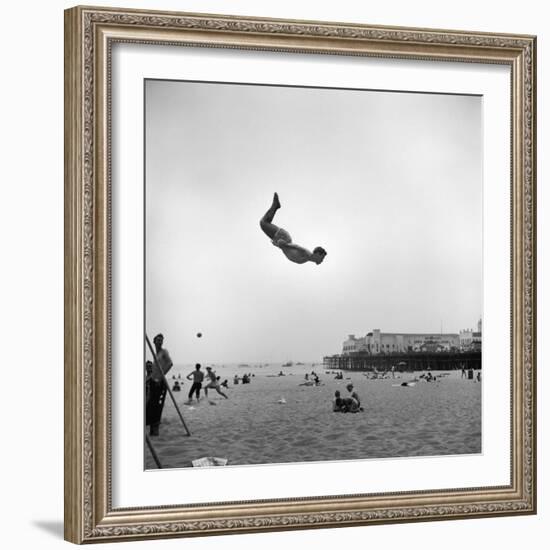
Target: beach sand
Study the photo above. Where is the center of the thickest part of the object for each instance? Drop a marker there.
(251, 427)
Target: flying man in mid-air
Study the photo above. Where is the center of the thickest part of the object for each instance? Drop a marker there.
(282, 239)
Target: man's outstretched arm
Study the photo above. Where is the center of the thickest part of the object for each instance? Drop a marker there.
(291, 246)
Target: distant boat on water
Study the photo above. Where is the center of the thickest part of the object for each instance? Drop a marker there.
(288, 364)
(300, 363)
(243, 365)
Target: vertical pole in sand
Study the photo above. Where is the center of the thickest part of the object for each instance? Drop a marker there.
(153, 452)
(167, 385)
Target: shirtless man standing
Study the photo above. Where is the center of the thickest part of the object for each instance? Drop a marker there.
(282, 239)
(157, 385)
(198, 376)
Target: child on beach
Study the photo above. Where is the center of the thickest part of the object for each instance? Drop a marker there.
(282, 239)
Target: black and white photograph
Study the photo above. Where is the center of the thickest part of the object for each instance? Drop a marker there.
(313, 274)
(300, 274)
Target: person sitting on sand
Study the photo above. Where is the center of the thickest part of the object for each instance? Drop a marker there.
(213, 383)
(221, 384)
(337, 402)
(350, 405)
(282, 239)
(198, 376)
(353, 402)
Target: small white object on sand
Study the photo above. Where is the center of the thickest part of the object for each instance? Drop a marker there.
(209, 461)
(282, 401)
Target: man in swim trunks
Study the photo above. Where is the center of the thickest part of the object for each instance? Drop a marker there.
(157, 385)
(282, 239)
(212, 383)
(198, 377)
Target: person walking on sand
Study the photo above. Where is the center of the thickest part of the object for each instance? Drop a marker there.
(282, 239)
(213, 383)
(198, 377)
(157, 386)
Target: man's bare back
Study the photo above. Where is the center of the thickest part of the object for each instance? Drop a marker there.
(282, 239)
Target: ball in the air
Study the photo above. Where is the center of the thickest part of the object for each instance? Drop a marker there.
(199, 334)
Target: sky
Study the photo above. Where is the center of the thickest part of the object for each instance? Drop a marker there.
(390, 184)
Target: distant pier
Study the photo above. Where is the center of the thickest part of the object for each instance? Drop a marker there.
(414, 361)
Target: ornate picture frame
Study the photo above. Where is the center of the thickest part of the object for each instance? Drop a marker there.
(90, 34)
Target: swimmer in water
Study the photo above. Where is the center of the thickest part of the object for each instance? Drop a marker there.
(282, 239)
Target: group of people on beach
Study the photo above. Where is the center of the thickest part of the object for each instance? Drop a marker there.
(311, 380)
(349, 404)
(213, 382)
(245, 378)
(156, 388)
(469, 374)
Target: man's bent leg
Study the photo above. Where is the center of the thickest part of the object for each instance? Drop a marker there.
(270, 229)
(221, 393)
(265, 223)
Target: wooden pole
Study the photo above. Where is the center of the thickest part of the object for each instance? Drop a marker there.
(153, 452)
(167, 385)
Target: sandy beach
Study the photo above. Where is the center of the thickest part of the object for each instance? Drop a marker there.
(251, 427)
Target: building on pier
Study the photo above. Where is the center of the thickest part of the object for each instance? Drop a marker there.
(470, 339)
(377, 342)
(405, 362)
